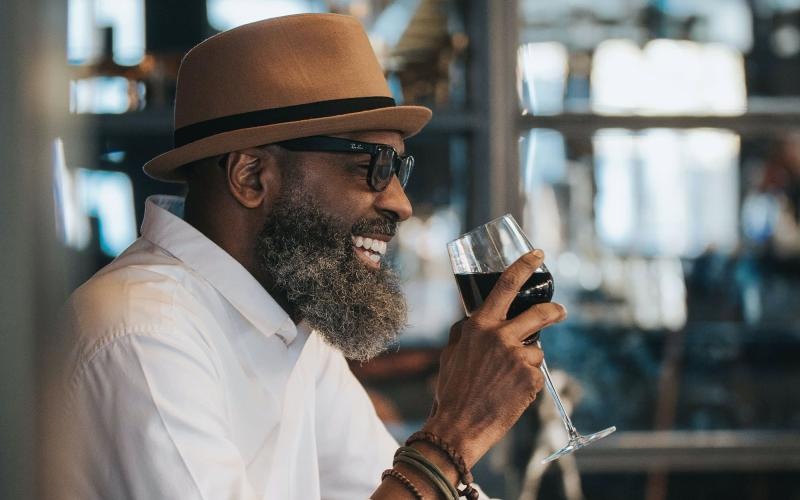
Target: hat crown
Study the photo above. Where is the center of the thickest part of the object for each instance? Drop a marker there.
(276, 63)
(279, 79)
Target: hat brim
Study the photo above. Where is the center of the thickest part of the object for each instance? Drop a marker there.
(408, 120)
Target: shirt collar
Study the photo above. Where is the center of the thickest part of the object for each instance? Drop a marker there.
(164, 226)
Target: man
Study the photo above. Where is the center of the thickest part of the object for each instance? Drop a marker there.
(210, 359)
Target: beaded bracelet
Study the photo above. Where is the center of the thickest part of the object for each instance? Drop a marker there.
(465, 476)
(403, 480)
(415, 459)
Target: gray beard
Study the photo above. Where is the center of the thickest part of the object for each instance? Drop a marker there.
(310, 259)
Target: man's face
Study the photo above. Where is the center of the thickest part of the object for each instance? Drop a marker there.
(338, 183)
(323, 243)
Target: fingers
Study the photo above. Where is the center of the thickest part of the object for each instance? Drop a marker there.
(534, 319)
(508, 285)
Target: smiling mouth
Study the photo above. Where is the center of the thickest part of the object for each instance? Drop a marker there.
(370, 250)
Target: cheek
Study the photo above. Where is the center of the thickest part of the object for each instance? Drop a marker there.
(349, 208)
(344, 200)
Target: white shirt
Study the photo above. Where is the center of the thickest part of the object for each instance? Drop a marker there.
(191, 382)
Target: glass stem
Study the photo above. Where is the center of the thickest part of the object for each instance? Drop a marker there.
(548, 383)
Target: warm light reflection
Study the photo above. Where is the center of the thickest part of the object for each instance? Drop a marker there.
(668, 77)
(659, 196)
(667, 192)
(105, 94)
(617, 85)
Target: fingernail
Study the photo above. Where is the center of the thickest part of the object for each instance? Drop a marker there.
(538, 253)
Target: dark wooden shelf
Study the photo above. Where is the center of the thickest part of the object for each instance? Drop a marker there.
(764, 117)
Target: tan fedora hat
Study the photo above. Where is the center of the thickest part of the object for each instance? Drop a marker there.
(279, 79)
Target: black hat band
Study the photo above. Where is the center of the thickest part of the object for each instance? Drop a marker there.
(274, 116)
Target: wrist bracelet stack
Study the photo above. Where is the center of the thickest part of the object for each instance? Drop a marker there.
(465, 476)
(413, 458)
(420, 463)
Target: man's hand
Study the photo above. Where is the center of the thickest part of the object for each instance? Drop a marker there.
(487, 377)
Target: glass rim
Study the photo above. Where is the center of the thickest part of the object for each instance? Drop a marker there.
(474, 230)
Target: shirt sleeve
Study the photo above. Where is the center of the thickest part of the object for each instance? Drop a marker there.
(353, 445)
(151, 423)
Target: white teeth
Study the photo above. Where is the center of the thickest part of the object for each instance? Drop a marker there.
(375, 257)
(373, 245)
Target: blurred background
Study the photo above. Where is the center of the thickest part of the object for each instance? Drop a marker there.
(650, 147)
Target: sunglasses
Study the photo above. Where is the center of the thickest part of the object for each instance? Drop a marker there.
(384, 160)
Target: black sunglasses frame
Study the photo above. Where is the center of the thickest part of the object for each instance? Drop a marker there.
(378, 177)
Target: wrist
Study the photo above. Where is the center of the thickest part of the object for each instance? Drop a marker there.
(453, 456)
(456, 437)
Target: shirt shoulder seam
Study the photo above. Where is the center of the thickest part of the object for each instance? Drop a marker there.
(106, 341)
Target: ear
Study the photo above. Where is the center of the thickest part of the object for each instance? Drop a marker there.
(252, 176)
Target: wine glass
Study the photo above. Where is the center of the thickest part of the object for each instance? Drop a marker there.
(478, 258)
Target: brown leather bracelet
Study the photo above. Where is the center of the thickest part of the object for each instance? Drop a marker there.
(465, 476)
(403, 480)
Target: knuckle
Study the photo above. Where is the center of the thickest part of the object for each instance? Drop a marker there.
(504, 331)
(562, 312)
(532, 381)
(539, 381)
(544, 312)
(479, 323)
(550, 312)
(519, 356)
(536, 356)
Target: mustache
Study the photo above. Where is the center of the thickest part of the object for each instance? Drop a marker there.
(381, 225)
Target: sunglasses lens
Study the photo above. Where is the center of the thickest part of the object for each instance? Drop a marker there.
(382, 171)
(406, 165)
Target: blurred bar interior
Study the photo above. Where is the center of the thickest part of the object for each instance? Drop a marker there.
(651, 147)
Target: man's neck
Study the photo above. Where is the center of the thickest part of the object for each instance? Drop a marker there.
(226, 231)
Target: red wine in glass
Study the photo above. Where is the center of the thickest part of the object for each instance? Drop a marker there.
(475, 287)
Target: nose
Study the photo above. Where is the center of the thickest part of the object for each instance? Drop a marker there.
(393, 199)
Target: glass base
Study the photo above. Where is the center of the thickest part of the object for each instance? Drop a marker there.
(576, 442)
